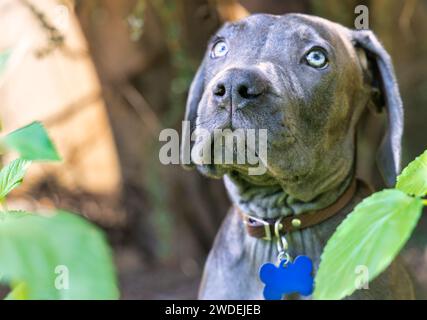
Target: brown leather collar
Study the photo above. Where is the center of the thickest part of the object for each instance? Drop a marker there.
(267, 228)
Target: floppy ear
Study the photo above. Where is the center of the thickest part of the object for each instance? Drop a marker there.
(194, 96)
(389, 153)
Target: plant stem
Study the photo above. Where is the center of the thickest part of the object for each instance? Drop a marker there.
(425, 202)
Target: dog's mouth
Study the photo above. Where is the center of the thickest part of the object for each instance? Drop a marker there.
(255, 171)
(243, 171)
(218, 171)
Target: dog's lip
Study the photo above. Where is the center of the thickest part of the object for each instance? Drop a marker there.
(265, 180)
(212, 171)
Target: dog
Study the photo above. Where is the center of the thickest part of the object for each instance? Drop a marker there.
(308, 81)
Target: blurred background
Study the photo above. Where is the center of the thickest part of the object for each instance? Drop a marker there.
(105, 76)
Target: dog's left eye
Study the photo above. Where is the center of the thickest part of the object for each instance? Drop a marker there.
(219, 49)
(316, 58)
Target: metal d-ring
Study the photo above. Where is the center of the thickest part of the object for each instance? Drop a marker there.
(282, 244)
(284, 257)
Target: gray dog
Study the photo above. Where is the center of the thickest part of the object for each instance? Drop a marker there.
(308, 81)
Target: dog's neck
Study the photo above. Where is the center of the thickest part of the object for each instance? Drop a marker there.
(273, 202)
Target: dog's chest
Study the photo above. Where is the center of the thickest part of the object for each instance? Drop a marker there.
(233, 265)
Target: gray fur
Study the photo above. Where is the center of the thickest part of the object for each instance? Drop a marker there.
(311, 116)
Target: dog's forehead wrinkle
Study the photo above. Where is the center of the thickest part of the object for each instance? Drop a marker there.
(316, 28)
(235, 26)
(289, 40)
(302, 32)
(254, 23)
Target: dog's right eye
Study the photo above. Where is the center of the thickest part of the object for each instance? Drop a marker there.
(219, 49)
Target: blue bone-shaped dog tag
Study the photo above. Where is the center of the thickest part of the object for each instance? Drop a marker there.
(287, 278)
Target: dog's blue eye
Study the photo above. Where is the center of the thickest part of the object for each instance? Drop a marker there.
(316, 59)
(220, 49)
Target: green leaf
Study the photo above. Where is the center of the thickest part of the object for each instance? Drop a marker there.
(371, 236)
(33, 143)
(49, 253)
(4, 58)
(413, 179)
(19, 292)
(12, 175)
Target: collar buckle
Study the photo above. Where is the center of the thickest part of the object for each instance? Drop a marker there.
(257, 222)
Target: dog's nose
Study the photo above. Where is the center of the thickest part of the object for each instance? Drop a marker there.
(239, 88)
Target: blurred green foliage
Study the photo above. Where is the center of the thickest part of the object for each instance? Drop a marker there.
(32, 143)
(56, 257)
(60, 256)
(373, 234)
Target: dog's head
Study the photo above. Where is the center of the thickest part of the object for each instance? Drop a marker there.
(307, 81)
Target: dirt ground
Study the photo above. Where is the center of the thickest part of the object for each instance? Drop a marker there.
(138, 281)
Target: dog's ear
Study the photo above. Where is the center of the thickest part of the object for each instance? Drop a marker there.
(194, 96)
(383, 80)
